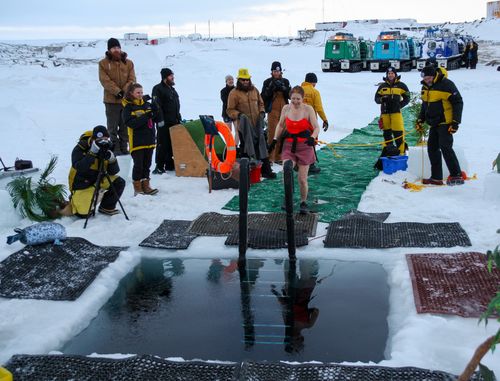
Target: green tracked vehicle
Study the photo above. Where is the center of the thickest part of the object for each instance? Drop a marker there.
(344, 52)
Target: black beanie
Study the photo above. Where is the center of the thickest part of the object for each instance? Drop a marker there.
(165, 72)
(100, 132)
(311, 78)
(113, 42)
(391, 69)
(429, 71)
(276, 65)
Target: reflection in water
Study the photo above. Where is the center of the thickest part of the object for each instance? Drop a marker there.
(217, 268)
(295, 296)
(146, 289)
(249, 272)
(195, 308)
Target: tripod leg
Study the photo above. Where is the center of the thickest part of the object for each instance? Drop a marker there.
(111, 185)
(93, 202)
(95, 196)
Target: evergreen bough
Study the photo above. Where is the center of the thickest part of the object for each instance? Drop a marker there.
(38, 201)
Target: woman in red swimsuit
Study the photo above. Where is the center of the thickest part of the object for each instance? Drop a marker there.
(302, 130)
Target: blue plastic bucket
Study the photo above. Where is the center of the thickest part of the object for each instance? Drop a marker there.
(393, 164)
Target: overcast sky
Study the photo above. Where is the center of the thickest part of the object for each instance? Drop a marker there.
(37, 19)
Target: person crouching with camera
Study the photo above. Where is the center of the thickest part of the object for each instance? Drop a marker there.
(94, 148)
(140, 116)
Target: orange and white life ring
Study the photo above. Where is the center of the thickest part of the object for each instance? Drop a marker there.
(227, 165)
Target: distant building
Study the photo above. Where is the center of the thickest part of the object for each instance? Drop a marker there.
(493, 10)
(336, 25)
(136, 38)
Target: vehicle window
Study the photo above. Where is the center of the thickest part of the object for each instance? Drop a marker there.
(385, 46)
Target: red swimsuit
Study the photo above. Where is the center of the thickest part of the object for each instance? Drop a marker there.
(295, 127)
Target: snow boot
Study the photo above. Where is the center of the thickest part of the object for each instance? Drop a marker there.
(138, 187)
(313, 170)
(455, 180)
(266, 170)
(108, 212)
(146, 188)
(304, 209)
(158, 171)
(431, 181)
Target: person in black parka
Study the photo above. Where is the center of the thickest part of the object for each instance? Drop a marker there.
(140, 117)
(224, 95)
(166, 97)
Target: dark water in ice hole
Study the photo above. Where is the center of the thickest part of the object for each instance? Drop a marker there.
(271, 310)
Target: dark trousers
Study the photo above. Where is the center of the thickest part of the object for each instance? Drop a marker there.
(398, 139)
(142, 162)
(118, 132)
(441, 142)
(164, 154)
(110, 199)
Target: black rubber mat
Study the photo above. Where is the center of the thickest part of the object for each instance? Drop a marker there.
(144, 368)
(216, 224)
(149, 368)
(457, 284)
(354, 214)
(268, 239)
(54, 272)
(362, 233)
(310, 372)
(171, 234)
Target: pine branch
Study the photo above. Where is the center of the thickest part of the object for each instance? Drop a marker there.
(48, 170)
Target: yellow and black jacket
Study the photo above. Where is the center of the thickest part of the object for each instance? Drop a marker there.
(392, 97)
(441, 102)
(85, 165)
(312, 97)
(139, 118)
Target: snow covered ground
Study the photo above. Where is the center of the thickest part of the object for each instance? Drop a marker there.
(44, 110)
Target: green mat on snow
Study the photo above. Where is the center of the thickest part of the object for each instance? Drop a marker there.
(342, 181)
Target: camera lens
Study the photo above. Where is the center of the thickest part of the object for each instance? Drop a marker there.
(103, 143)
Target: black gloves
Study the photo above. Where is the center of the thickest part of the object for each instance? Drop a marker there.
(280, 86)
(110, 156)
(453, 127)
(119, 95)
(325, 125)
(311, 141)
(272, 146)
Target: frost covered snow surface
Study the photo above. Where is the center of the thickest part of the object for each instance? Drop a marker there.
(45, 109)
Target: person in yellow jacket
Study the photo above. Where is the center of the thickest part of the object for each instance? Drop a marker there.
(312, 97)
(92, 148)
(116, 74)
(141, 117)
(392, 95)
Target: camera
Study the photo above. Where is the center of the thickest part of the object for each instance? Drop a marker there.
(103, 144)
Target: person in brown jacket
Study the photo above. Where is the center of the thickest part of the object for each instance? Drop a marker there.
(116, 74)
(275, 93)
(245, 100)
